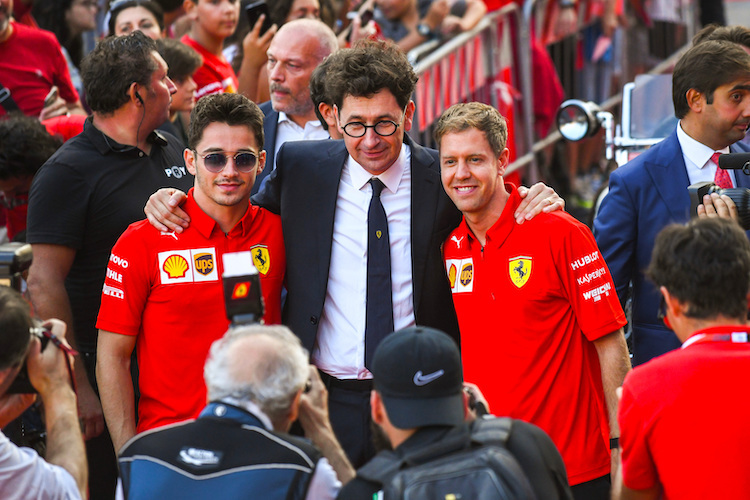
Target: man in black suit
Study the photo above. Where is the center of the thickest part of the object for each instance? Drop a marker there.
(295, 51)
(322, 191)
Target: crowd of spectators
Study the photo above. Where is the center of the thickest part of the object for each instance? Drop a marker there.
(358, 234)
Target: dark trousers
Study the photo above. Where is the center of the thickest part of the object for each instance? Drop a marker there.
(596, 489)
(349, 411)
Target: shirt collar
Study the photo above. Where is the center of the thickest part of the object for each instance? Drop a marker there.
(391, 177)
(284, 118)
(234, 409)
(105, 144)
(502, 228)
(696, 151)
(205, 225)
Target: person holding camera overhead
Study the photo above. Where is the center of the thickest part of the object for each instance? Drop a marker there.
(23, 474)
(164, 289)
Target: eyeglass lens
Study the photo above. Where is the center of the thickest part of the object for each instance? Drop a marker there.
(244, 162)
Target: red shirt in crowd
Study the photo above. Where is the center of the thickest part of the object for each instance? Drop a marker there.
(215, 76)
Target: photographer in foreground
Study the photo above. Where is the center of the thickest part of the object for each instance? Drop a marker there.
(23, 474)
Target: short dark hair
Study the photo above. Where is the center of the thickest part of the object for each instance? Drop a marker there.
(704, 67)
(368, 68)
(114, 64)
(24, 146)
(318, 93)
(734, 34)
(15, 322)
(232, 109)
(706, 264)
(118, 6)
(483, 117)
(181, 59)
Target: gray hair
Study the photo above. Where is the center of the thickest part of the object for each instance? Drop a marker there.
(271, 373)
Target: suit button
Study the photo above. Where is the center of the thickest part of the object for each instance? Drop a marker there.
(314, 320)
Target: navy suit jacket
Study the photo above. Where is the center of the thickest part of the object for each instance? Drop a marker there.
(270, 124)
(303, 189)
(644, 196)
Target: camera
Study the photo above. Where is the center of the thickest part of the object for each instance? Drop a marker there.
(243, 299)
(740, 197)
(22, 384)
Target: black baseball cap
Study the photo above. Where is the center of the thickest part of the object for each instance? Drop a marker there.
(418, 373)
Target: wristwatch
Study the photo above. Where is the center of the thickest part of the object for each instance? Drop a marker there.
(424, 30)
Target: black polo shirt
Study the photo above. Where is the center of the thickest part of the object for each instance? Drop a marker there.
(86, 195)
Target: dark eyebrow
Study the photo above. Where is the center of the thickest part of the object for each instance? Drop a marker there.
(740, 87)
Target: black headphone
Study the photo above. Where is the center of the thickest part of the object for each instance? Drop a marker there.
(138, 96)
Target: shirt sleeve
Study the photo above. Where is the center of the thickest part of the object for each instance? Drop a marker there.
(589, 286)
(638, 467)
(127, 285)
(23, 474)
(324, 484)
(57, 185)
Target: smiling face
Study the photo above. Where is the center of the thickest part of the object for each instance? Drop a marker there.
(228, 189)
(375, 153)
(137, 18)
(472, 173)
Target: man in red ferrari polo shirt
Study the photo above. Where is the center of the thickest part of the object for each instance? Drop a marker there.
(540, 321)
(164, 289)
(703, 273)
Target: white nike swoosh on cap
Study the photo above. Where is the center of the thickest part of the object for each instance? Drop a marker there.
(421, 380)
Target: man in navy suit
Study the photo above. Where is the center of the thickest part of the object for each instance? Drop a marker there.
(711, 95)
(295, 51)
(322, 191)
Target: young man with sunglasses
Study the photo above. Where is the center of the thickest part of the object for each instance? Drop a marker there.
(163, 289)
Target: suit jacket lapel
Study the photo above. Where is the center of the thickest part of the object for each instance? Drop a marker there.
(669, 175)
(327, 175)
(424, 200)
(270, 123)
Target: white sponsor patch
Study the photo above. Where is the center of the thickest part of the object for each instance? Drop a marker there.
(460, 274)
(585, 260)
(596, 293)
(113, 292)
(188, 266)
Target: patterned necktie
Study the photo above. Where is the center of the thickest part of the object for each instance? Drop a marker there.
(721, 177)
(379, 293)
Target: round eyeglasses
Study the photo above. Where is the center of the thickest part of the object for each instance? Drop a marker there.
(215, 162)
(383, 128)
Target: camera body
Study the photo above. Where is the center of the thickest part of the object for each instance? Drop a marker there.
(740, 197)
(242, 292)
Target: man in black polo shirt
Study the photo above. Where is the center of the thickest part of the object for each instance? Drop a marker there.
(418, 401)
(87, 194)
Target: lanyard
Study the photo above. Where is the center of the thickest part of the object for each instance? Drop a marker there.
(734, 337)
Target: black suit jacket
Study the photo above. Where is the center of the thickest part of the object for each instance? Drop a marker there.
(270, 124)
(303, 189)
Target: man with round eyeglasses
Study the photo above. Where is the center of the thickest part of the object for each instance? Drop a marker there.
(163, 289)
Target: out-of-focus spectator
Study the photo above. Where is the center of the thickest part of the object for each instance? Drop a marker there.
(23, 474)
(130, 15)
(212, 22)
(87, 194)
(322, 101)
(182, 61)
(258, 378)
(68, 20)
(295, 52)
(33, 72)
(702, 271)
(25, 145)
(412, 22)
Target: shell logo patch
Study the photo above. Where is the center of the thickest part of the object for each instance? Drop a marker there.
(204, 263)
(452, 272)
(460, 274)
(519, 269)
(175, 266)
(261, 258)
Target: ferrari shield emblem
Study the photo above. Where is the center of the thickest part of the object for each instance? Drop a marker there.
(261, 259)
(520, 270)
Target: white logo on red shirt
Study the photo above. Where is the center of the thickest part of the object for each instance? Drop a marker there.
(188, 266)
(460, 274)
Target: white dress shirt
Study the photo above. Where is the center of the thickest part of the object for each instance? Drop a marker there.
(287, 131)
(697, 157)
(340, 346)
